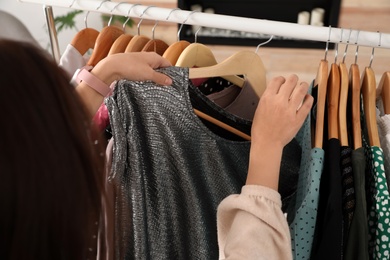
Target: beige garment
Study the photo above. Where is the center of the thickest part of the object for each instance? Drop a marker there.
(251, 225)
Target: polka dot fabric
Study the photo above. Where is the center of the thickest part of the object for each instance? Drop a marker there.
(302, 213)
(379, 212)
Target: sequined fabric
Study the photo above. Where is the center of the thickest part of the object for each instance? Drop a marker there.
(169, 171)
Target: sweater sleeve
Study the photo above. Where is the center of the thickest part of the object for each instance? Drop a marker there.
(251, 225)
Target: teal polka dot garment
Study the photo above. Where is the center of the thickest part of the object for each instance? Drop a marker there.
(302, 213)
(379, 212)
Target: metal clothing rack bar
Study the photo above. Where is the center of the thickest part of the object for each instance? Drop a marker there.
(252, 25)
(52, 33)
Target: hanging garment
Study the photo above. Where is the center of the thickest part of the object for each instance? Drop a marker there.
(72, 60)
(356, 247)
(241, 102)
(377, 195)
(383, 121)
(379, 212)
(328, 233)
(170, 171)
(302, 212)
(348, 191)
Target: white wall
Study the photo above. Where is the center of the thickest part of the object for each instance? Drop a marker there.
(32, 15)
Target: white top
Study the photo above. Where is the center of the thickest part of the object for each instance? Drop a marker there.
(72, 60)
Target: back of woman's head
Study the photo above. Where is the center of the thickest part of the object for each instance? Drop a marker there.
(50, 169)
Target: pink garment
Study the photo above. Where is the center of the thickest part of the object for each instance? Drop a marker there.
(101, 118)
(251, 225)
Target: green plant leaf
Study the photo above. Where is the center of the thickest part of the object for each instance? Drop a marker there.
(66, 21)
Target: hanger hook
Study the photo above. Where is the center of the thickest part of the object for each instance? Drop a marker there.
(357, 47)
(196, 34)
(141, 16)
(101, 3)
(70, 6)
(112, 10)
(85, 19)
(128, 16)
(346, 46)
(264, 43)
(153, 29)
(327, 42)
(336, 53)
(373, 48)
(169, 15)
(182, 24)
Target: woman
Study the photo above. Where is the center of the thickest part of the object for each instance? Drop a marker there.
(51, 162)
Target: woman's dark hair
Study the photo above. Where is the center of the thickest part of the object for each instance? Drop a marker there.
(51, 164)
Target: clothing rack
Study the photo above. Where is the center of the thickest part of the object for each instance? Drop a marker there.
(251, 25)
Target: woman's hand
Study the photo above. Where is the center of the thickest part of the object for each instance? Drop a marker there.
(281, 112)
(131, 66)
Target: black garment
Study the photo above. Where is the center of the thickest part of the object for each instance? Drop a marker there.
(348, 191)
(357, 243)
(170, 171)
(328, 234)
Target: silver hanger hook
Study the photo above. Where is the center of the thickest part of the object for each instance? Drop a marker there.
(112, 10)
(169, 15)
(336, 53)
(70, 6)
(128, 16)
(101, 3)
(346, 46)
(141, 16)
(182, 24)
(373, 48)
(97, 8)
(357, 46)
(154, 28)
(264, 43)
(85, 19)
(196, 34)
(327, 42)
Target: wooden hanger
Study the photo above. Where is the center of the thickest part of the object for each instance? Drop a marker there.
(155, 45)
(321, 83)
(222, 124)
(333, 96)
(172, 53)
(104, 41)
(85, 40)
(247, 63)
(354, 85)
(199, 55)
(384, 87)
(343, 101)
(103, 44)
(369, 105)
(120, 44)
(137, 43)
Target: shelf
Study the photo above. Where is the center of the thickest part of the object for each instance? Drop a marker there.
(277, 10)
